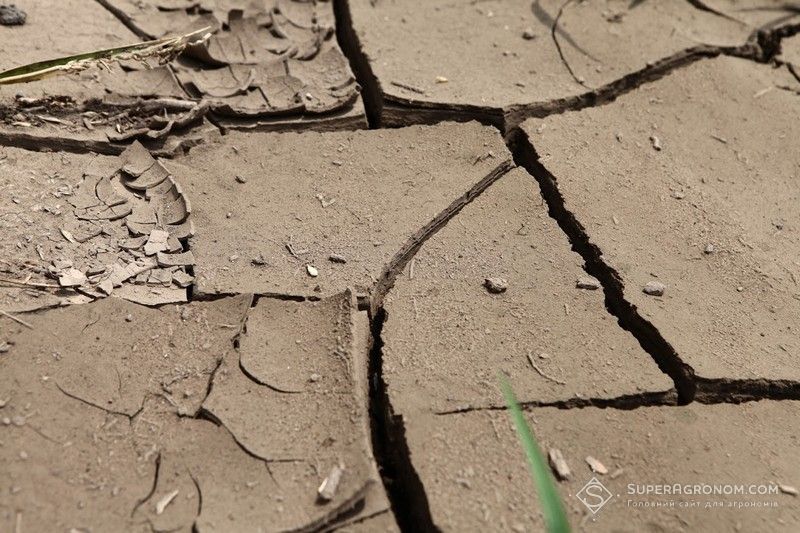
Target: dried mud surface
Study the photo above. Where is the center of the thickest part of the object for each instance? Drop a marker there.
(154, 431)
(357, 199)
(470, 464)
(711, 214)
(521, 53)
(296, 324)
(446, 335)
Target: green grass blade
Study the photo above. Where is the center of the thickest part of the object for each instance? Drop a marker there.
(553, 510)
(41, 69)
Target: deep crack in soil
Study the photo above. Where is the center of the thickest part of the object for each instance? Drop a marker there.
(629, 319)
(359, 64)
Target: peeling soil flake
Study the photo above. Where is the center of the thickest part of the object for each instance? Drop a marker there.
(271, 64)
(730, 314)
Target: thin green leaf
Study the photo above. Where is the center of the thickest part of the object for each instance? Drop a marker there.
(160, 48)
(553, 510)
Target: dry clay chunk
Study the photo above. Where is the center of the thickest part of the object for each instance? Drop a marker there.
(290, 397)
(500, 54)
(475, 477)
(446, 336)
(78, 110)
(360, 195)
(726, 176)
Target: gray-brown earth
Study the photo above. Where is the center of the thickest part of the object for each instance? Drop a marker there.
(213, 330)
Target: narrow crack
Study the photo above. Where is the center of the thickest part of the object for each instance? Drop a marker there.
(555, 30)
(415, 242)
(125, 20)
(401, 482)
(371, 94)
(152, 491)
(199, 502)
(702, 6)
(629, 319)
(713, 391)
(403, 485)
(626, 402)
(130, 417)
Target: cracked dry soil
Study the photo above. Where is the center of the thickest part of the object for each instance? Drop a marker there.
(269, 286)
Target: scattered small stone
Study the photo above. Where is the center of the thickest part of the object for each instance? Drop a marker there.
(654, 288)
(241, 179)
(2, 403)
(495, 285)
(740, 289)
(709, 249)
(589, 283)
(336, 258)
(678, 195)
(788, 489)
(596, 465)
(259, 260)
(656, 142)
(618, 136)
(312, 271)
(315, 377)
(228, 214)
(11, 15)
(6, 421)
(327, 490)
(166, 500)
(18, 421)
(129, 318)
(4, 347)
(528, 34)
(558, 464)
(441, 79)
(23, 455)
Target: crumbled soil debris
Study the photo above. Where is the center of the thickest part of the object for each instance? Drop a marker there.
(648, 446)
(445, 340)
(85, 227)
(273, 64)
(394, 183)
(728, 314)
